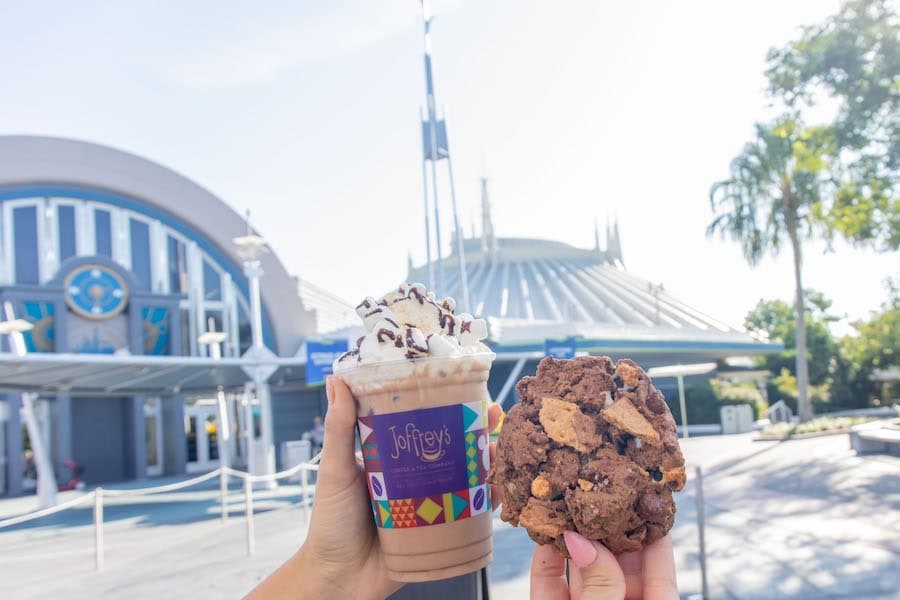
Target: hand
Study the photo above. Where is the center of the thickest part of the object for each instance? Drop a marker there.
(341, 557)
(595, 574)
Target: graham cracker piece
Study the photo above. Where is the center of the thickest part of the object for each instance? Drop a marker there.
(626, 417)
(545, 517)
(676, 476)
(567, 425)
(629, 372)
(540, 487)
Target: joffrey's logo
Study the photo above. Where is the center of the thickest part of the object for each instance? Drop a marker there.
(429, 445)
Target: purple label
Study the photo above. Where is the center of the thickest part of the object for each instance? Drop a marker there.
(422, 452)
(427, 467)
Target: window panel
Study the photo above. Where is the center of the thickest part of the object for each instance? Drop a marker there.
(177, 265)
(212, 282)
(25, 244)
(155, 321)
(66, 223)
(103, 232)
(186, 331)
(245, 332)
(140, 252)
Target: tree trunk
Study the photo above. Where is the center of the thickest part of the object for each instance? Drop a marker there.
(804, 405)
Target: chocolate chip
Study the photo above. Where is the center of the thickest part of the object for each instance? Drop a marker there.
(622, 442)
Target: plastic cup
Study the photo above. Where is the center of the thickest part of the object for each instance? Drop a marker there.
(424, 434)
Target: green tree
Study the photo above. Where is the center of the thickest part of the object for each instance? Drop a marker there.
(793, 181)
(852, 61)
(775, 320)
(875, 347)
(768, 201)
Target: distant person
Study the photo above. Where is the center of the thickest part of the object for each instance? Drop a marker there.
(341, 557)
(317, 435)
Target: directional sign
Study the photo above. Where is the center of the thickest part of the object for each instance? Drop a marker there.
(560, 348)
(319, 358)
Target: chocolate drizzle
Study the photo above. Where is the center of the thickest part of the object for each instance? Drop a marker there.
(392, 322)
(465, 327)
(385, 333)
(413, 291)
(364, 304)
(411, 342)
(360, 341)
(447, 322)
(347, 355)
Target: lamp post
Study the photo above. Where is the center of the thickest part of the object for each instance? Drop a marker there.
(251, 248)
(213, 339)
(46, 480)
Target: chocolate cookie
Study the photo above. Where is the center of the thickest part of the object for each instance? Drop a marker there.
(591, 447)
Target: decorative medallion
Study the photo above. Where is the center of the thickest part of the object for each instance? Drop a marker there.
(96, 292)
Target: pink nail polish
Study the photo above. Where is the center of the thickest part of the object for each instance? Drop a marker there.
(580, 549)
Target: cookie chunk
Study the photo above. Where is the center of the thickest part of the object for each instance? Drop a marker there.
(591, 447)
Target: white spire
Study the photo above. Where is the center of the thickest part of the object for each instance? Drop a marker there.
(488, 239)
(614, 243)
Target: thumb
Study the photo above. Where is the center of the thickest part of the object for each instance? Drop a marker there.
(338, 465)
(601, 575)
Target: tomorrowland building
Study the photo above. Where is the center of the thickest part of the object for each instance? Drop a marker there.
(142, 356)
(160, 340)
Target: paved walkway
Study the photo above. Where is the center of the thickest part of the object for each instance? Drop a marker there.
(801, 520)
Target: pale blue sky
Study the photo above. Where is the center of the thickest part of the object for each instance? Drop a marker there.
(306, 112)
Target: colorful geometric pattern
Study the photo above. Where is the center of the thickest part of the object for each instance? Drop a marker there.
(370, 452)
(474, 415)
(402, 513)
(472, 458)
(430, 510)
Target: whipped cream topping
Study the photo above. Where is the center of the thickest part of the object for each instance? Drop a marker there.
(412, 323)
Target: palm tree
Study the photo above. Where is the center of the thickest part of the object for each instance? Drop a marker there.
(774, 193)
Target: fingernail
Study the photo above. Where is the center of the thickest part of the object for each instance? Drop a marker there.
(329, 390)
(580, 549)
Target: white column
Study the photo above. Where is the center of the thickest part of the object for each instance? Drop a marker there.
(85, 234)
(195, 294)
(266, 441)
(46, 484)
(121, 245)
(229, 322)
(48, 239)
(6, 248)
(683, 405)
(159, 258)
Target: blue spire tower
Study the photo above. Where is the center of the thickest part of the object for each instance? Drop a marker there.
(435, 148)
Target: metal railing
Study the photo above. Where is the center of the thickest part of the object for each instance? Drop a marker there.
(223, 473)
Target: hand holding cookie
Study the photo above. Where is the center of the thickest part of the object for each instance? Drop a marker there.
(590, 448)
(595, 574)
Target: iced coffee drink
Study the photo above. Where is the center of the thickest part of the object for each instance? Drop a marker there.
(419, 377)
